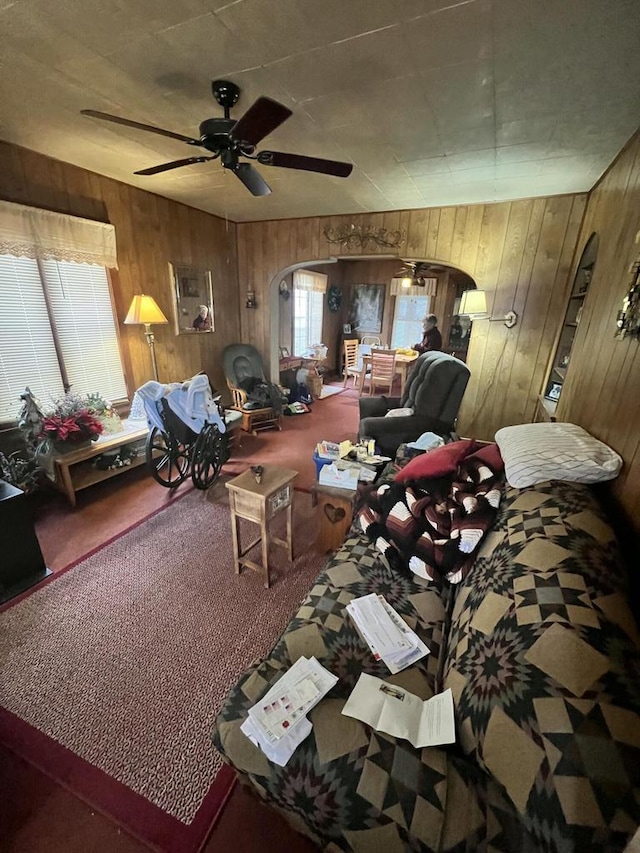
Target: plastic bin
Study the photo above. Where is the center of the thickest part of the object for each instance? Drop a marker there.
(320, 463)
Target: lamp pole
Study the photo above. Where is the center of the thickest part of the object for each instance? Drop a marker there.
(152, 346)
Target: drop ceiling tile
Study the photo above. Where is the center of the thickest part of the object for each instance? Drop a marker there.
(432, 182)
(428, 166)
(302, 24)
(368, 59)
(473, 176)
(526, 130)
(461, 138)
(527, 151)
(519, 170)
(466, 89)
(458, 33)
(471, 159)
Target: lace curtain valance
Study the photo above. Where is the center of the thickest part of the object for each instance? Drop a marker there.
(29, 232)
(307, 280)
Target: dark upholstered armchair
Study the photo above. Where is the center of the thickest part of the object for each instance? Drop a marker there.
(434, 391)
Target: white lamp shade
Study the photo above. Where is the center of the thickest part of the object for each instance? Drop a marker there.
(144, 309)
(473, 304)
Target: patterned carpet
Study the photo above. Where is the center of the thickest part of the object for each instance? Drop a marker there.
(126, 658)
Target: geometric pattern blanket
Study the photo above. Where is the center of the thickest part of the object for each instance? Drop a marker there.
(434, 526)
(540, 650)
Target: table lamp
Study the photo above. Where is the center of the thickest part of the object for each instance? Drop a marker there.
(144, 310)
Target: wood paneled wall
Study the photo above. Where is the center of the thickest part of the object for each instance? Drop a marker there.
(602, 388)
(519, 252)
(150, 232)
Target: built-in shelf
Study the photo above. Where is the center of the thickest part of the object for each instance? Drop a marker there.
(547, 405)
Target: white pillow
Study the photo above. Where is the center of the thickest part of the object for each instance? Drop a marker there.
(534, 453)
(399, 413)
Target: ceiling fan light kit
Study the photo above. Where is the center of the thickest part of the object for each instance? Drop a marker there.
(229, 140)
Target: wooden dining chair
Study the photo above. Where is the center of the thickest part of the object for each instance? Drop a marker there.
(352, 362)
(383, 369)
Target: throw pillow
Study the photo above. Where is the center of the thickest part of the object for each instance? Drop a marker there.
(534, 453)
(440, 462)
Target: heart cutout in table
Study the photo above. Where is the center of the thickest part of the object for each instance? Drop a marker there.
(334, 513)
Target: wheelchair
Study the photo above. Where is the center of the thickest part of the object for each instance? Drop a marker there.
(176, 452)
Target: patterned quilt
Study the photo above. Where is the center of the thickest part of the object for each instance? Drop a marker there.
(540, 649)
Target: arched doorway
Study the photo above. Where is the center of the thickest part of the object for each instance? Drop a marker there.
(348, 273)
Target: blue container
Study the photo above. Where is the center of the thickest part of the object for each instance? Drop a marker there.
(320, 463)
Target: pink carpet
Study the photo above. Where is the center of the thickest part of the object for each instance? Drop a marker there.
(334, 419)
(112, 672)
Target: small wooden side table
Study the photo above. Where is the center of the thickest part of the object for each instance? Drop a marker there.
(336, 514)
(260, 502)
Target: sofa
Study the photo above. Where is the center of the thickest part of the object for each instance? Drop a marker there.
(540, 649)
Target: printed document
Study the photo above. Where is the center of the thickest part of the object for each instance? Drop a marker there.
(392, 709)
(385, 632)
(277, 723)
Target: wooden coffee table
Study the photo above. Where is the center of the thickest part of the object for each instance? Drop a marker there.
(260, 502)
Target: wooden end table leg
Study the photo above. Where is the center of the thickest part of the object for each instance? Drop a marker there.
(265, 550)
(290, 530)
(235, 534)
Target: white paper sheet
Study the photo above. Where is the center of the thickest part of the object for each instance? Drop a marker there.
(392, 709)
(283, 749)
(385, 632)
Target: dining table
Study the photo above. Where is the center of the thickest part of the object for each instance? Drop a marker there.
(403, 363)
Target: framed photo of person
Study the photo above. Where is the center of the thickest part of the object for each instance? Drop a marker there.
(192, 299)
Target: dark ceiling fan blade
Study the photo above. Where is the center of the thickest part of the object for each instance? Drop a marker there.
(175, 164)
(307, 164)
(260, 119)
(252, 179)
(129, 123)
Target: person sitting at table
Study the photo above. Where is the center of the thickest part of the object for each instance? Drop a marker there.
(432, 339)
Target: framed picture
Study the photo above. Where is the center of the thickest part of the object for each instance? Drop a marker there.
(192, 299)
(554, 391)
(346, 329)
(367, 305)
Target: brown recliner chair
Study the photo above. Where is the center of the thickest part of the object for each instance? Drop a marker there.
(434, 391)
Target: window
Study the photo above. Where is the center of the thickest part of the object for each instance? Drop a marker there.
(407, 320)
(57, 330)
(308, 306)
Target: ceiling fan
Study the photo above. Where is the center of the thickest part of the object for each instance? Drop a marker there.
(230, 139)
(418, 270)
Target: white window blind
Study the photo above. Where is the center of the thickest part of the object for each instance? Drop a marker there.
(79, 309)
(308, 305)
(407, 320)
(81, 306)
(27, 350)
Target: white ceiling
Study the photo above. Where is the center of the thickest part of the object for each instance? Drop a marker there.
(436, 102)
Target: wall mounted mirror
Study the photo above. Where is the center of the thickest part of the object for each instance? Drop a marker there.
(192, 299)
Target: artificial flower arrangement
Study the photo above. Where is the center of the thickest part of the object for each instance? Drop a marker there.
(71, 422)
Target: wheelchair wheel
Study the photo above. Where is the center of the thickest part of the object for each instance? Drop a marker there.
(167, 459)
(208, 457)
